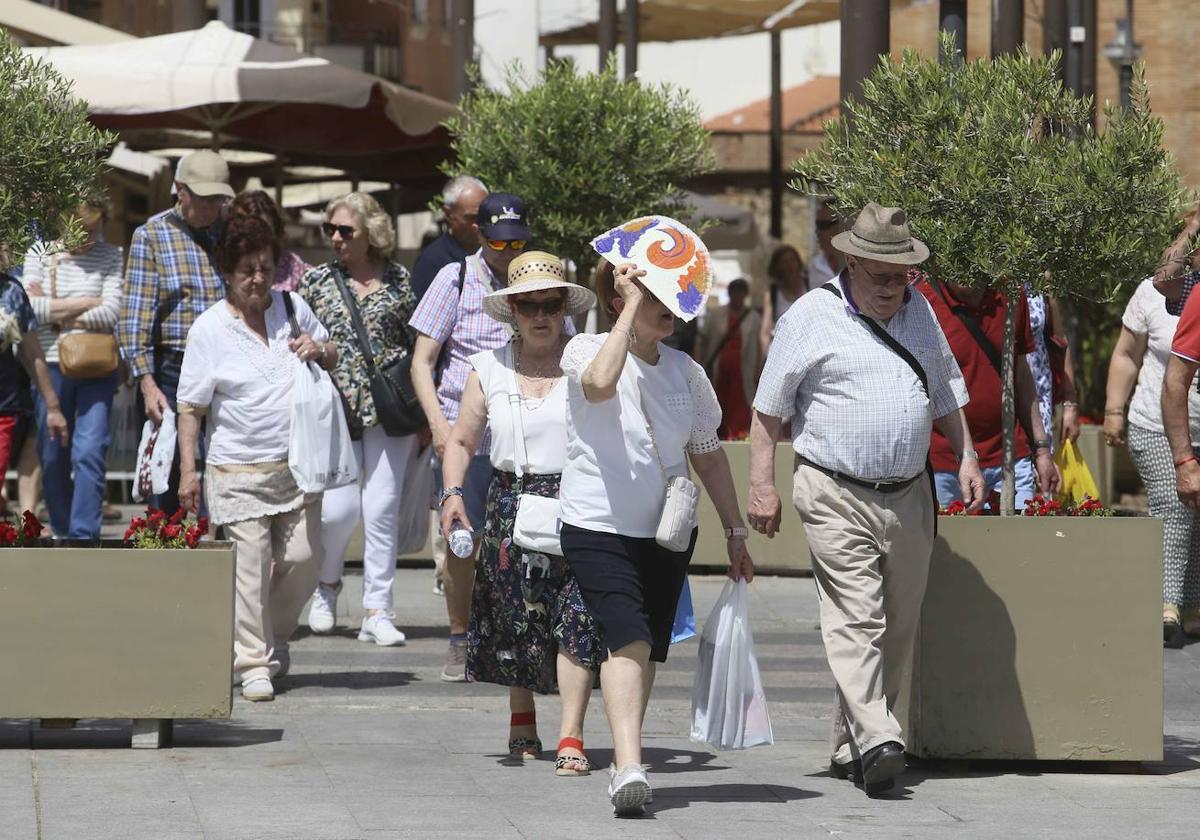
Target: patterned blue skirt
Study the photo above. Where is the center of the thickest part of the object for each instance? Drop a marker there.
(526, 606)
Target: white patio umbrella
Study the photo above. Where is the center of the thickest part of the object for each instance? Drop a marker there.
(246, 90)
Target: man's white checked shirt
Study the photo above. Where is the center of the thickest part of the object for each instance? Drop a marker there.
(857, 408)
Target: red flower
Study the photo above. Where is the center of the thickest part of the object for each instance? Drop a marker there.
(202, 525)
(137, 523)
(171, 532)
(192, 537)
(154, 516)
(8, 534)
(30, 527)
(177, 515)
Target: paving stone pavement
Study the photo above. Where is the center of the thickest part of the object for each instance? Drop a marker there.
(366, 743)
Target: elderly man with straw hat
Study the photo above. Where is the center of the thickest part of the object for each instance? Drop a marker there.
(529, 628)
(864, 371)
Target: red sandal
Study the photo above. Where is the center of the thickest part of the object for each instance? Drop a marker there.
(582, 768)
(525, 748)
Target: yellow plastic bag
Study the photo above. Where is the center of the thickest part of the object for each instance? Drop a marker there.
(1077, 481)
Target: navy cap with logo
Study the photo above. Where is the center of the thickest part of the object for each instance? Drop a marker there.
(502, 216)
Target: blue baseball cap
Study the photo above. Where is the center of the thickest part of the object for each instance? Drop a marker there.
(502, 216)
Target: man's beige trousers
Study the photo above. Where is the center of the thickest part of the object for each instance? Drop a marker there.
(277, 560)
(870, 560)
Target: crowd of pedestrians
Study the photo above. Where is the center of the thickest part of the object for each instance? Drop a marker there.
(559, 457)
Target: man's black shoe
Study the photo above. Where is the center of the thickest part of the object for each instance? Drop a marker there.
(851, 770)
(880, 767)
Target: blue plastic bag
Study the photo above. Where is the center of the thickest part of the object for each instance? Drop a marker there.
(685, 616)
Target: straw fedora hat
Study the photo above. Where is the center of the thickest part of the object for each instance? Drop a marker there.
(534, 271)
(881, 233)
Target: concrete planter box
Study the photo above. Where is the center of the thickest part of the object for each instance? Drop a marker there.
(1041, 639)
(788, 550)
(117, 632)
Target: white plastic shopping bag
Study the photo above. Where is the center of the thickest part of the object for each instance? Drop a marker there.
(729, 709)
(156, 452)
(414, 501)
(320, 452)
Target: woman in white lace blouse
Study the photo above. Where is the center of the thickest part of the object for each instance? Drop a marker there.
(628, 396)
(238, 373)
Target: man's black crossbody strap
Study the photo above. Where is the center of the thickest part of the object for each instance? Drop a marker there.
(443, 358)
(911, 360)
(893, 345)
(973, 326)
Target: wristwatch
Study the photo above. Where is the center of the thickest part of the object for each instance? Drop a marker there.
(447, 493)
(968, 454)
(736, 533)
(1044, 443)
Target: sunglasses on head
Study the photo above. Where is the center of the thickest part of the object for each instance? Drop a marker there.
(347, 231)
(501, 244)
(531, 308)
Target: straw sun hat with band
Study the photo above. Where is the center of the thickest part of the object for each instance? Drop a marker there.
(535, 271)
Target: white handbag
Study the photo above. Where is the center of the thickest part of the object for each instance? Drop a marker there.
(539, 518)
(682, 502)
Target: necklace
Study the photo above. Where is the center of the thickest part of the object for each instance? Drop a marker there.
(539, 379)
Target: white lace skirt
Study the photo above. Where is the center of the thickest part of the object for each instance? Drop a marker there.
(237, 492)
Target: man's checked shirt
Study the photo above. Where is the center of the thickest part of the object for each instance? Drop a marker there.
(857, 408)
(169, 282)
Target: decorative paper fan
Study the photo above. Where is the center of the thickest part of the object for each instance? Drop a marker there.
(678, 270)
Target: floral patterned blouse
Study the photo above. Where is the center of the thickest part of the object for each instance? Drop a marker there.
(385, 313)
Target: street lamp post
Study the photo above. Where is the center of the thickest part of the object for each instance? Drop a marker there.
(1124, 52)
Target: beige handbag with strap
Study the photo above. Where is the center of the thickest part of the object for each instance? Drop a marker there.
(84, 355)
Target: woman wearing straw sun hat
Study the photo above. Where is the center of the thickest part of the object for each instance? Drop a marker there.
(529, 627)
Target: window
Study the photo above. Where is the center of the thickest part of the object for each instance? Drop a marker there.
(420, 12)
(247, 17)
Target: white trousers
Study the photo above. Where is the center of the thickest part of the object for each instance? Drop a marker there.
(376, 500)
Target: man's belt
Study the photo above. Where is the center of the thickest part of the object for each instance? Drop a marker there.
(877, 486)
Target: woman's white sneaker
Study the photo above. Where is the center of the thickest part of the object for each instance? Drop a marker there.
(322, 614)
(629, 790)
(258, 689)
(379, 629)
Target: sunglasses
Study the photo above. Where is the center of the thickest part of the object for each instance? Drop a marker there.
(532, 308)
(346, 231)
(501, 244)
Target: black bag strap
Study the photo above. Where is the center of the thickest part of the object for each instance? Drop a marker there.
(712, 357)
(443, 355)
(968, 319)
(360, 329)
(290, 308)
(886, 337)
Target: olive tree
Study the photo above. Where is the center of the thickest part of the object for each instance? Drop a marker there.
(50, 154)
(586, 151)
(1004, 178)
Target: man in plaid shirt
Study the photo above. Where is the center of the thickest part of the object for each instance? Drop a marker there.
(864, 371)
(169, 282)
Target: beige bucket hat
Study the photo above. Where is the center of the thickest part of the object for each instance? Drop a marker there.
(881, 233)
(535, 271)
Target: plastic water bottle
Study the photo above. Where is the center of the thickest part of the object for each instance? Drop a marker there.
(462, 541)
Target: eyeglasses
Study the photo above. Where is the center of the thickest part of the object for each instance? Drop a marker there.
(891, 277)
(532, 308)
(346, 231)
(501, 244)
(258, 270)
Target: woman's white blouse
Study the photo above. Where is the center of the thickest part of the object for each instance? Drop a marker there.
(245, 384)
(612, 481)
(544, 420)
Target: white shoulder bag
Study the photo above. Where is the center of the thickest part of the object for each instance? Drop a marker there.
(539, 518)
(679, 514)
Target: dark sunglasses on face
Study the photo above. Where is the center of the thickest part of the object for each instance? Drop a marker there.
(501, 244)
(531, 308)
(347, 231)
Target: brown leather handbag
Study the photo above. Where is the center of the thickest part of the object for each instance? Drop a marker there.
(84, 355)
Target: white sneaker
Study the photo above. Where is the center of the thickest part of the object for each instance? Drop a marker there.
(322, 614)
(258, 689)
(379, 629)
(628, 790)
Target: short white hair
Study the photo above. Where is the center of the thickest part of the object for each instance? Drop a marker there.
(381, 234)
(455, 188)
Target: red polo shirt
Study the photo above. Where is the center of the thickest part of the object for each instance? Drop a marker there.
(983, 382)
(1186, 343)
